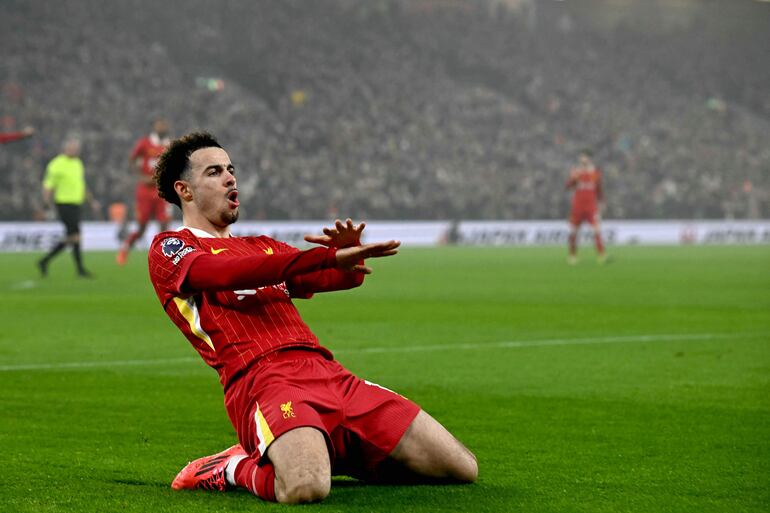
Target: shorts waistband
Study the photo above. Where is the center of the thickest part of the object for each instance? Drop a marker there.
(293, 353)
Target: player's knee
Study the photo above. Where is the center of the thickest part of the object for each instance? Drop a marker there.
(310, 487)
(462, 468)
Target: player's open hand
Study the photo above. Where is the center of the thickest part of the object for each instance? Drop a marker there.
(351, 259)
(342, 235)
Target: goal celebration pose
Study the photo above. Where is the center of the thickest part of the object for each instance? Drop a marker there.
(300, 416)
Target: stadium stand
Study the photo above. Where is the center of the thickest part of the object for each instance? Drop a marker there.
(393, 110)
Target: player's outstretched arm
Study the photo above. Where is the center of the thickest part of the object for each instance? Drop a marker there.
(341, 235)
(349, 259)
(571, 180)
(15, 136)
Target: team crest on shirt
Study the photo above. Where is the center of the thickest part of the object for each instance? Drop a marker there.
(171, 246)
(288, 410)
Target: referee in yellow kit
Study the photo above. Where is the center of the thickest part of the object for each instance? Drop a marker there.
(65, 184)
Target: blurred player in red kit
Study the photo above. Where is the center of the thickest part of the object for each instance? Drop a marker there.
(7, 137)
(148, 204)
(586, 180)
(300, 416)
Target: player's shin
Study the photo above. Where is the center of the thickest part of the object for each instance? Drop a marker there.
(258, 479)
(598, 242)
(573, 243)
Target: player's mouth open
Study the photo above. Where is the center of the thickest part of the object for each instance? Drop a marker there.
(232, 198)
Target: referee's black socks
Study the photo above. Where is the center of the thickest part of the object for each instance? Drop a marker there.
(77, 257)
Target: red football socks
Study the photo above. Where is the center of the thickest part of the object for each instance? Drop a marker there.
(599, 245)
(258, 479)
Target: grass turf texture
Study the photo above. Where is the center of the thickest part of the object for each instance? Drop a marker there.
(668, 424)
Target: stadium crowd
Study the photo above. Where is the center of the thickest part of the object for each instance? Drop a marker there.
(389, 109)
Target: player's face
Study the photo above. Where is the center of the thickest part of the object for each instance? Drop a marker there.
(160, 127)
(584, 160)
(212, 183)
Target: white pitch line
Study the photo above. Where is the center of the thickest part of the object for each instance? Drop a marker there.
(549, 342)
(414, 349)
(95, 363)
(23, 285)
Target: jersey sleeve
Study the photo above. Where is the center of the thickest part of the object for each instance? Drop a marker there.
(273, 263)
(599, 188)
(50, 179)
(171, 255)
(138, 150)
(303, 286)
(327, 280)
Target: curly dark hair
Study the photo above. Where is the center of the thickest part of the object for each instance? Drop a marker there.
(175, 161)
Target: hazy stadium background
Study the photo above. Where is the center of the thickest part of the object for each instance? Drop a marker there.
(641, 385)
(404, 109)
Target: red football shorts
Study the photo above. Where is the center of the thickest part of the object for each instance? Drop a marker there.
(151, 206)
(362, 422)
(587, 213)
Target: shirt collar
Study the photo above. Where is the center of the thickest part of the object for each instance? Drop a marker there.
(197, 232)
(157, 141)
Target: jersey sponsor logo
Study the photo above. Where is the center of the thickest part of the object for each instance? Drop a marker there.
(245, 292)
(171, 246)
(217, 251)
(179, 256)
(288, 410)
(241, 294)
(268, 251)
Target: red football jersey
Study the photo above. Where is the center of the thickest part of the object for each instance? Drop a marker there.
(232, 329)
(149, 149)
(588, 186)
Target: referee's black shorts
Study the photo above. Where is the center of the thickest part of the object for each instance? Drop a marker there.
(70, 216)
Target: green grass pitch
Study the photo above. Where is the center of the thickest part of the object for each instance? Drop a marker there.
(642, 385)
